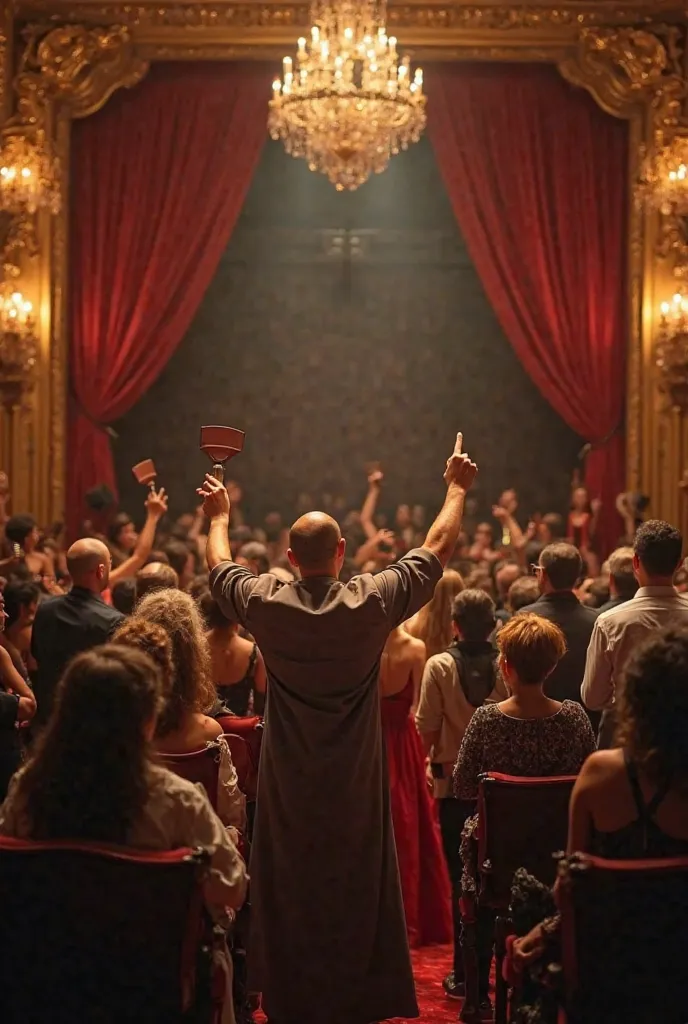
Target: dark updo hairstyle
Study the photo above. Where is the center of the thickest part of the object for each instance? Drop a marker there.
(89, 777)
(652, 707)
(212, 613)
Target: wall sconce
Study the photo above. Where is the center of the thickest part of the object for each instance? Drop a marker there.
(18, 345)
(671, 352)
(29, 174)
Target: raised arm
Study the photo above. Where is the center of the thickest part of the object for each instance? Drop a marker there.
(370, 504)
(156, 507)
(217, 508)
(444, 532)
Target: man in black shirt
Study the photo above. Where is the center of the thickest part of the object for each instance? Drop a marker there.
(74, 622)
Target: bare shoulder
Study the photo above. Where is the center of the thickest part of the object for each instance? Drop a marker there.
(211, 727)
(416, 648)
(602, 765)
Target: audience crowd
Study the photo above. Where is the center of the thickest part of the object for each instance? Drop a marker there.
(118, 655)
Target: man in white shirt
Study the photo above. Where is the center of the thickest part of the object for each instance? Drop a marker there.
(617, 633)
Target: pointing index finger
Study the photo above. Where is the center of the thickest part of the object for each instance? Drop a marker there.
(459, 443)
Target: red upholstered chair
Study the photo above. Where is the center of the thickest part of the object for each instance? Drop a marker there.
(523, 823)
(198, 766)
(101, 935)
(250, 729)
(624, 930)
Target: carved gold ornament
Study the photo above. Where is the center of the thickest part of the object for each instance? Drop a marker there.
(350, 103)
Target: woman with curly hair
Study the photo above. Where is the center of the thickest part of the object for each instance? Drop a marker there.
(183, 725)
(92, 776)
(433, 623)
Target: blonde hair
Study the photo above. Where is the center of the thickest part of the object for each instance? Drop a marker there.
(192, 687)
(433, 623)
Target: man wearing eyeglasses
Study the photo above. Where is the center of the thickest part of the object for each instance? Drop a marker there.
(558, 571)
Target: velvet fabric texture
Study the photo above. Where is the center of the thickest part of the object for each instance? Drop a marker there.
(159, 177)
(536, 175)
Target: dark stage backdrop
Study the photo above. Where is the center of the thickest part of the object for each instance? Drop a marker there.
(343, 328)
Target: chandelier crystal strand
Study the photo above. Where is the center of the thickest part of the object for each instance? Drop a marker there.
(29, 174)
(348, 103)
(671, 352)
(18, 343)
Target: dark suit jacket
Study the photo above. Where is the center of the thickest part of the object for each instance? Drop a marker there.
(64, 626)
(576, 622)
(612, 603)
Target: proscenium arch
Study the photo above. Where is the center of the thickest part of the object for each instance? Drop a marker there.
(81, 53)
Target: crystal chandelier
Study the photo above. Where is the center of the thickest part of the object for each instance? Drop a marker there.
(29, 174)
(671, 352)
(350, 104)
(663, 182)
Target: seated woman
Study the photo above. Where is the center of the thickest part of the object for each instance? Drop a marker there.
(183, 725)
(237, 666)
(529, 734)
(629, 803)
(92, 776)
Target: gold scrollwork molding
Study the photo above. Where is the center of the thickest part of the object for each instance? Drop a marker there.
(424, 15)
(624, 68)
(76, 66)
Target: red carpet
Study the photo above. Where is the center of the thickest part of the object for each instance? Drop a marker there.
(430, 966)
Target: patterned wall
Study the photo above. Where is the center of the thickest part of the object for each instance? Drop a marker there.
(341, 329)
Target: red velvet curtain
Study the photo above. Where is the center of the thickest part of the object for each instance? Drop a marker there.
(159, 177)
(536, 173)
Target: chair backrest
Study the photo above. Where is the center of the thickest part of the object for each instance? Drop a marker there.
(523, 823)
(250, 729)
(98, 935)
(242, 759)
(198, 766)
(624, 934)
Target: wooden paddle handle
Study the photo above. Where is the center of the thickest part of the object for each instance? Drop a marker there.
(218, 471)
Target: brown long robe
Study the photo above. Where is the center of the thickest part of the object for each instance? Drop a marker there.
(328, 943)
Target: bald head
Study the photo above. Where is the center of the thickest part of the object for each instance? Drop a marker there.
(88, 563)
(315, 545)
(155, 576)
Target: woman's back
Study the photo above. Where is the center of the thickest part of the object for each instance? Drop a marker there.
(631, 816)
(497, 742)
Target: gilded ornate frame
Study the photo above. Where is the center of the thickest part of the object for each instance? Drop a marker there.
(65, 60)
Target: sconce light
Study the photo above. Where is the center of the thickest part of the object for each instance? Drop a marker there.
(671, 352)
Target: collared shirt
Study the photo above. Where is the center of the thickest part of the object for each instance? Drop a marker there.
(619, 632)
(444, 709)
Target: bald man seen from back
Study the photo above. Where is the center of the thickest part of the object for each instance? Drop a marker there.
(73, 622)
(328, 936)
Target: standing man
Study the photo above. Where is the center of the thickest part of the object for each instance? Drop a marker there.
(73, 622)
(558, 571)
(657, 555)
(329, 939)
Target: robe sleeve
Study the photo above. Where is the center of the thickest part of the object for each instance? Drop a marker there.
(233, 585)
(408, 584)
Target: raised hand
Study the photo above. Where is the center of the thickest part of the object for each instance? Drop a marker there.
(375, 478)
(156, 503)
(500, 514)
(460, 469)
(215, 497)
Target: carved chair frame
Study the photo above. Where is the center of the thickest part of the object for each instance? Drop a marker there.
(60, 61)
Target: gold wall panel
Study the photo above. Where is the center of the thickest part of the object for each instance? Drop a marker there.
(631, 58)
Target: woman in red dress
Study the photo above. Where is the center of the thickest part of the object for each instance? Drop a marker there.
(424, 879)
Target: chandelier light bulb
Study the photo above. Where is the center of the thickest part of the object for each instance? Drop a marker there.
(29, 174)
